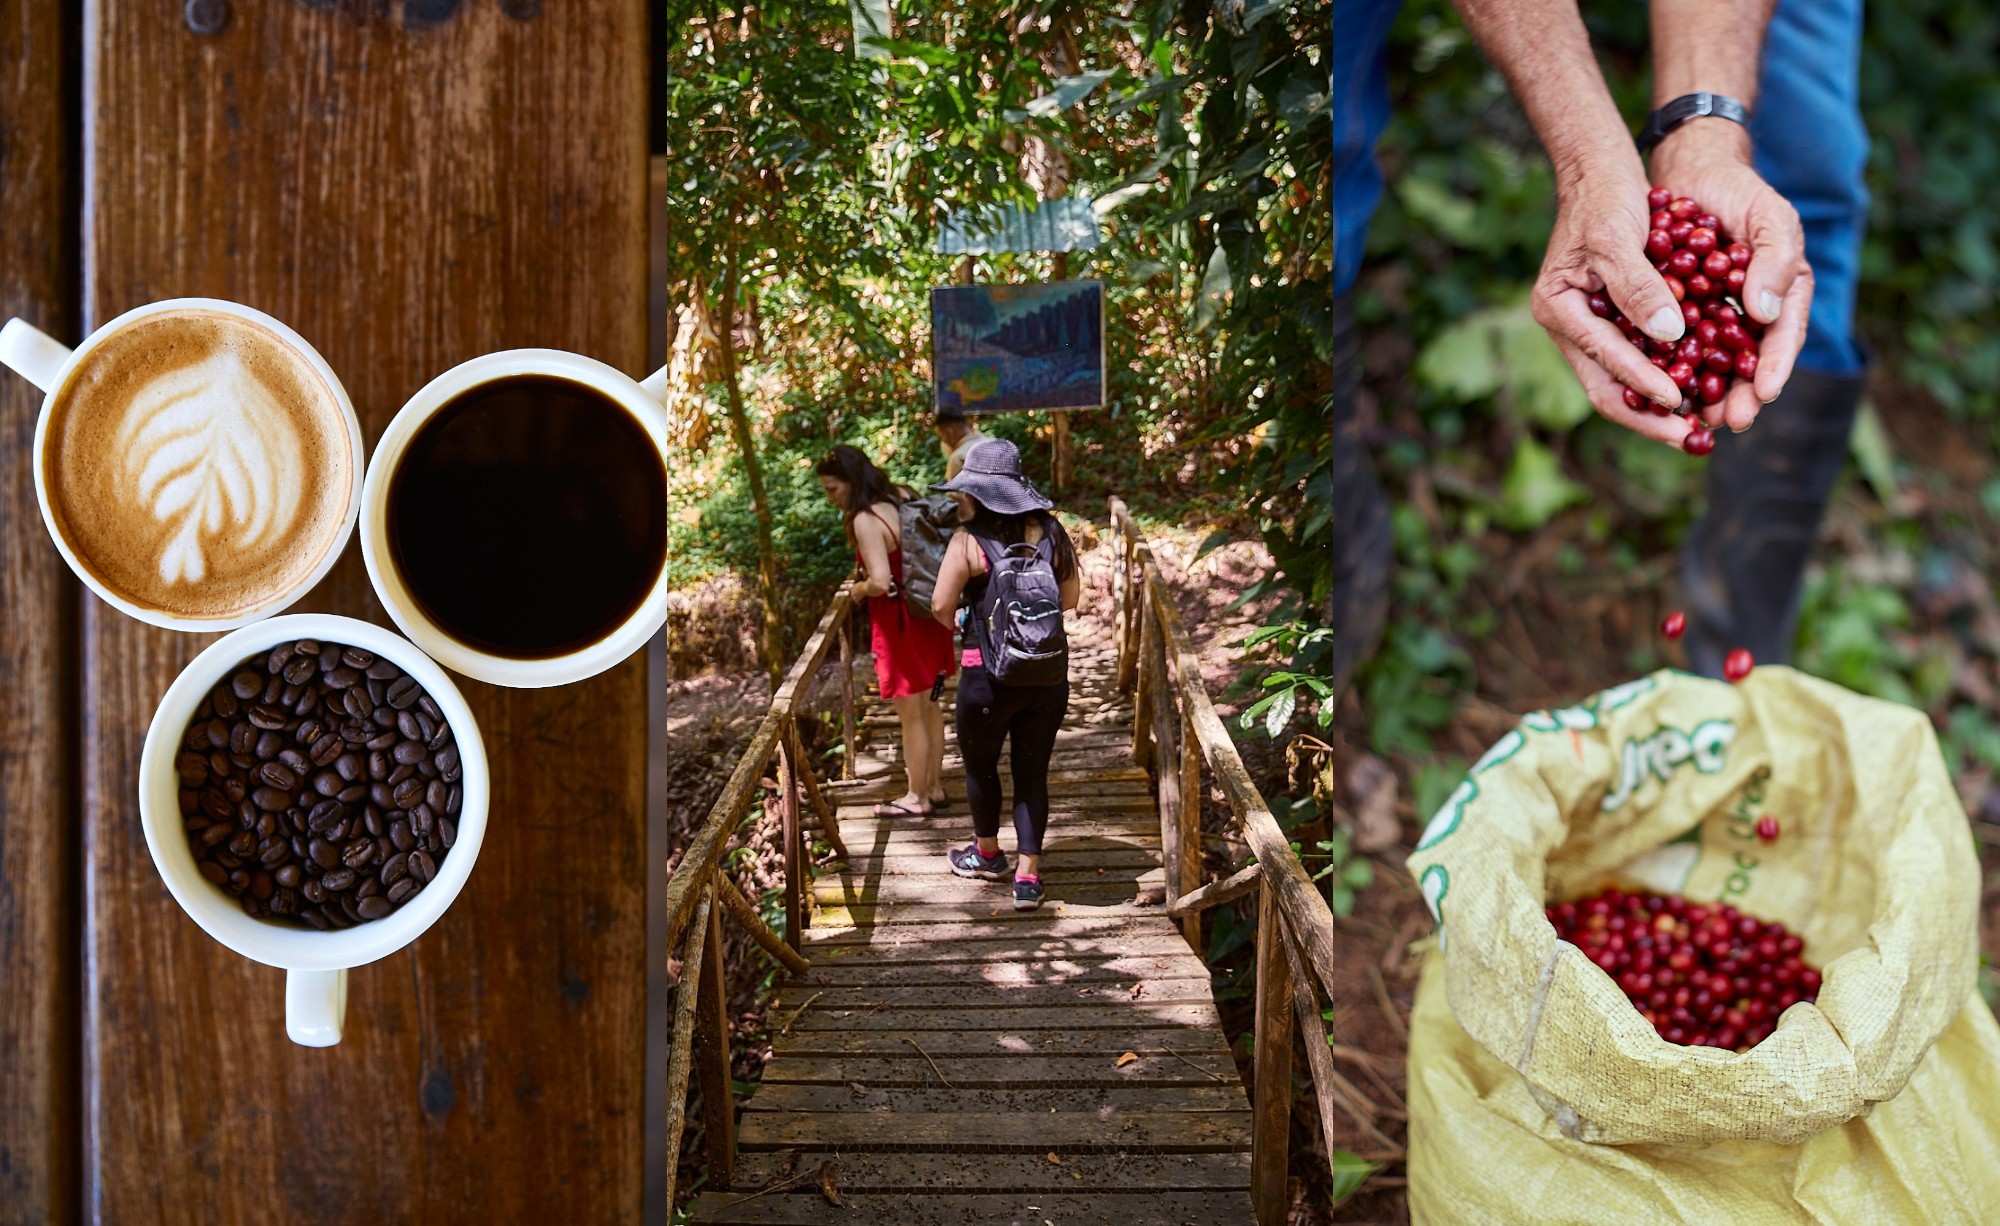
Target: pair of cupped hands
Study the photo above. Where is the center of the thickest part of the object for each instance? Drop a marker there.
(1598, 246)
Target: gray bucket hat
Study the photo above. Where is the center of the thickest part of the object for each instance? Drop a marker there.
(992, 474)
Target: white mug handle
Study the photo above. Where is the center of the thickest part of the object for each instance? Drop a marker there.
(315, 1006)
(36, 356)
(655, 383)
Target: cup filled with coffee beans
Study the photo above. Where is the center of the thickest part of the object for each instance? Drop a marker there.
(514, 517)
(314, 791)
(197, 463)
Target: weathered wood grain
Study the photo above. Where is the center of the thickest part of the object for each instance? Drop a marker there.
(1003, 970)
(40, 906)
(1111, 1042)
(1105, 1102)
(1073, 1070)
(1186, 1132)
(407, 198)
(807, 1207)
(865, 1173)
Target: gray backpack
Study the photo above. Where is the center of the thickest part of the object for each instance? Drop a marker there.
(1019, 617)
(927, 525)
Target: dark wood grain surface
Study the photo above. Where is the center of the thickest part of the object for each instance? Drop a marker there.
(39, 898)
(409, 186)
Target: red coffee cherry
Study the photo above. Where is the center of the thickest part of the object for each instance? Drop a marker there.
(1659, 198)
(1767, 831)
(1737, 664)
(1699, 441)
(1673, 625)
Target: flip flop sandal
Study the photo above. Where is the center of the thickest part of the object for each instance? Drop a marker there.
(896, 810)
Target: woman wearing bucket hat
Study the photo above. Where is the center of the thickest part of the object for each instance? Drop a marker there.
(912, 653)
(1016, 570)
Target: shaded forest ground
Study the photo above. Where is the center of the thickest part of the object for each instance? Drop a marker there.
(717, 696)
(1900, 601)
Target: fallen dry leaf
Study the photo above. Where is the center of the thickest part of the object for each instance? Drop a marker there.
(1127, 1058)
(1055, 1159)
(827, 1187)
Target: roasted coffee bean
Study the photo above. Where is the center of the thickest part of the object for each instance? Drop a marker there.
(448, 764)
(378, 765)
(368, 888)
(242, 761)
(403, 693)
(278, 775)
(307, 703)
(239, 881)
(327, 750)
(215, 804)
(395, 868)
(408, 793)
(385, 717)
(243, 738)
(273, 686)
(399, 834)
(336, 834)
(226, 704)
(220, 765)
(447, 833)
(381, 740)
(354, 794)
(235, 790)
(347, 909)
(402, 890)
(428, 706)
(407, 753)
(267, 825)
(377, 690)
(355, 657)
(349, 766)
(243, 843)
(193, 769)
(215, 834)
(375, 908)
(355, 703)
(227, 858)
(276, 660)
(428, 768)
(401, 773)
(271, 799)
(327, 783)
(251, 907)
(339, 879)
(436, 794)
(308, 647)
(314, 890)
(261, 885)
(218, 734)
(379, 794)
(382, 670)
(358, 853)
(268, 718)
(323, 853)
(274, 855)
(406, 723)
(324, 814)
(453, 799)
(311, 915)
(284, 902)
(248, 814)
(246, 685)
(354, 732)
(427, 727)
(371, 818)
(289, 695)
(299, 670)
(295, 761)
(190, 800)
(298, 847)
(420, 821)
(422, 867)
(311, 730)
(329, 657)
(289, 876)
(213, 871)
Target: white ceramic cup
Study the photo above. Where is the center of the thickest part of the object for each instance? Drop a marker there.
(644, 401)
(315, 962)
(46, 363)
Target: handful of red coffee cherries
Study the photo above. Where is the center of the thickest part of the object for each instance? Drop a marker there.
(1704, 975)
(1704, 270)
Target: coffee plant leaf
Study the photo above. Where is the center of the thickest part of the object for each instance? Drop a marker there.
(1535, 488)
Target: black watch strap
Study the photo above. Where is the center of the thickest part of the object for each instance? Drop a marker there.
(1686, 107)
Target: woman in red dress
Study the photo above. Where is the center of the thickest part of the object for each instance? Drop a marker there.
(912, 652)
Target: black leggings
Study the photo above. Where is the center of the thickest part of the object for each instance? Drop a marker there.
(988, 711)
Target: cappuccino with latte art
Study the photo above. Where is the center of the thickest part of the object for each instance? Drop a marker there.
(197, 465)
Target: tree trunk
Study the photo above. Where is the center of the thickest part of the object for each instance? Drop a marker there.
(753, 474)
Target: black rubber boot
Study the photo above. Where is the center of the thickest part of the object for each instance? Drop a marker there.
(1767, 490)
(1362, 545)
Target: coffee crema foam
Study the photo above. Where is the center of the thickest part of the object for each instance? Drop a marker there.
(198, 465)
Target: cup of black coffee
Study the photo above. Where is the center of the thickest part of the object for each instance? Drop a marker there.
(514, 517)
(313, 789)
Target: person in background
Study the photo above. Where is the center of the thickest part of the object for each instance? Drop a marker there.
(1759, 120)
(1001, 508)
(957, 434)
(912, 653)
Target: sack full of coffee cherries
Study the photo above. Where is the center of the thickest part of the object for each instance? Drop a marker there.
(1705, 953)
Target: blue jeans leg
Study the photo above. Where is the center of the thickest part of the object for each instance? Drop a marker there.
(1360, 112)
(1812, 147)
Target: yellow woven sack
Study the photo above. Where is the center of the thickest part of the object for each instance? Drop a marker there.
(1538, 1094)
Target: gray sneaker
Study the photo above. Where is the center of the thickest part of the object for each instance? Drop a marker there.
(968, 862)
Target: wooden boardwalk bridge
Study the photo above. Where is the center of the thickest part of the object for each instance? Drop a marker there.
(942, 1058)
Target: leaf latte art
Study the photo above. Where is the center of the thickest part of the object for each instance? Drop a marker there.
(211, 452)
(198, 465)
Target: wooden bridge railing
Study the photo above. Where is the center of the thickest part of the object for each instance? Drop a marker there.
(699, 892)
(1174, 731)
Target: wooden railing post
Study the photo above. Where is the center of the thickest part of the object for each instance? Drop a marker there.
(795, 885)
(1271, 1107)
(681, 1050)
(1147, 697)
(718, 1099)
(846, 699)
(1186, 864)
(829, 820)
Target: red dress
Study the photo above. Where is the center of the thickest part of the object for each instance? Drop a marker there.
(911, 652)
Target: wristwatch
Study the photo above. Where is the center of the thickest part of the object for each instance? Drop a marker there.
(1686, 107)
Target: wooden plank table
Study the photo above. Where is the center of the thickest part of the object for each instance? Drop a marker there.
(408, 186)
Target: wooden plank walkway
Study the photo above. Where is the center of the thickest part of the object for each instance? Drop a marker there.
(950, 1060)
